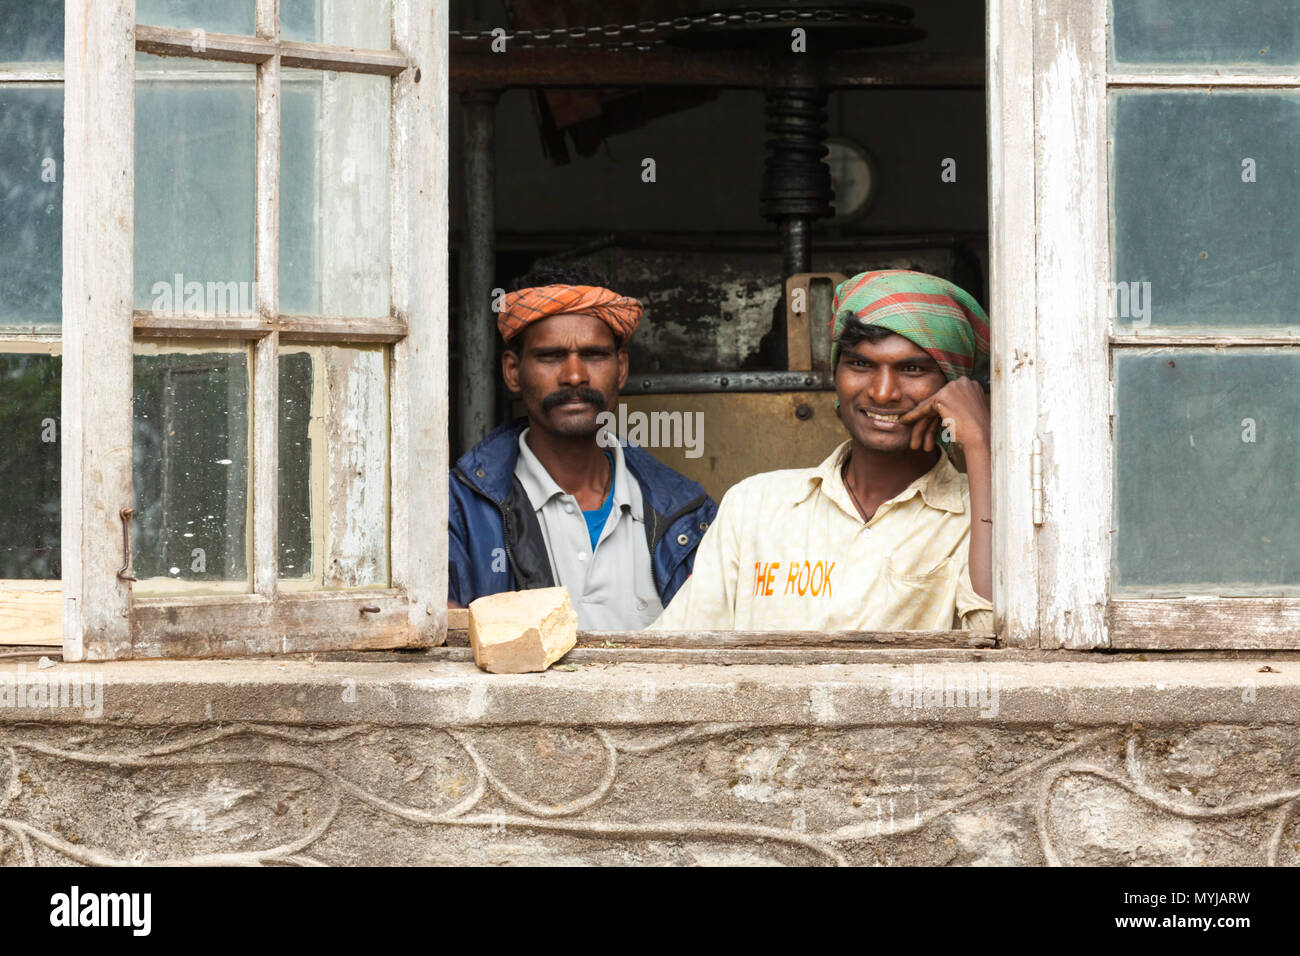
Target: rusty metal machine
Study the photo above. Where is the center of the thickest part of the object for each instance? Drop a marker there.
(776, 409)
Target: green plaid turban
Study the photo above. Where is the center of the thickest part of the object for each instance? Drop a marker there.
(932, 313)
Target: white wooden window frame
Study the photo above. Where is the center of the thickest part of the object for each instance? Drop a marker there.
(1062, 265)
(102, 619)
(29, 607)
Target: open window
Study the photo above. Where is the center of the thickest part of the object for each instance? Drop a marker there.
(653, 148)
(253, 352)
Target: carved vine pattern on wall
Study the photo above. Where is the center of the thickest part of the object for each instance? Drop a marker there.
(565, 819)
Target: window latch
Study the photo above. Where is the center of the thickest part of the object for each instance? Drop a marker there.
(125, 573)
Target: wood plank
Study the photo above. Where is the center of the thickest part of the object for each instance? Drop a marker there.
(292, 328)
(340, 330)
(251, 625)
(343, 59)
(1014, 326)
(201, 45)
(1193, 623)
(772, 639)
(610, 656)
(148, 325)
(1072, 355)
(98, 224)
(419, 401)
(32, 615)
(229, 48)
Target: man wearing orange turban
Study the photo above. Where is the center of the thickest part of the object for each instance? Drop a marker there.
(555, 498)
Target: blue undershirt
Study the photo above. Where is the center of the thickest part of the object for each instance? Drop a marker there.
(596, 519)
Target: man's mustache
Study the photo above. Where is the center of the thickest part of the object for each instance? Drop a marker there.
(589, 395)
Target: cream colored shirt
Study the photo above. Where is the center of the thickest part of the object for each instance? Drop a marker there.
(612, 587)
(789, 551)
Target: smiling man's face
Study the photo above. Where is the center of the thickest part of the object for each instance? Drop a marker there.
(569, 371)
(878, 381)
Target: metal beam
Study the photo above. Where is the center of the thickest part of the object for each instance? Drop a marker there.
(476, 387)
(675, 67)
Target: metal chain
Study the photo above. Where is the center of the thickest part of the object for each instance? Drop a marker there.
(607, 37)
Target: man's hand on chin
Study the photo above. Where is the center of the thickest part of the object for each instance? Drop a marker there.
(962, 408)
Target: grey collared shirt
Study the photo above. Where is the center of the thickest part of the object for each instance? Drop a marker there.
(612, 588)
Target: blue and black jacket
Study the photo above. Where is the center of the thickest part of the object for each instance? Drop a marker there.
(496, 541)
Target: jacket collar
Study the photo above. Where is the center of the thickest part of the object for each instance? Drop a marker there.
(541, 487)
(490, 469)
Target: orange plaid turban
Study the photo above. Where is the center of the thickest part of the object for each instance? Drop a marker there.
(526, 306)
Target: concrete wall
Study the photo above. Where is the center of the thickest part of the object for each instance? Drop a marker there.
(867, 758)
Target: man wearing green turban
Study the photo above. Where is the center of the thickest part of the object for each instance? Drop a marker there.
(886, 534)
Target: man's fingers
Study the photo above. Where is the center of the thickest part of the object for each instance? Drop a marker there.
(929, 433)
(926, 407)
(918, 433)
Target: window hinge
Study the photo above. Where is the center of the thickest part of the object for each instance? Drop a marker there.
(1036, 480)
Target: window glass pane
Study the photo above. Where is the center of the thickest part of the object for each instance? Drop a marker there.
(191, 468)
(1208, 471)
(296, 433)
(194, 186)
(334, 255)
(31, 206)
(358, 23)
(214, 16)
(31, 30)
(333, 470)
(30, 432)
(1250, 33)
(1204, 190)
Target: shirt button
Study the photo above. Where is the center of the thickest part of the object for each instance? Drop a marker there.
(640, 605)
(582, 555)
(683, 540)
(568, 509)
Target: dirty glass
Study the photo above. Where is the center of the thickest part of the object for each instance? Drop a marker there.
(356, 23)
(194, 186)
(30, 432)
(214, 16)
(31, 207)
(31, 30)
(1204, 230)
(1221, 33)
(1208, 476)
(294, 474)
(333, 466)
(334, 236)
(191, 469)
